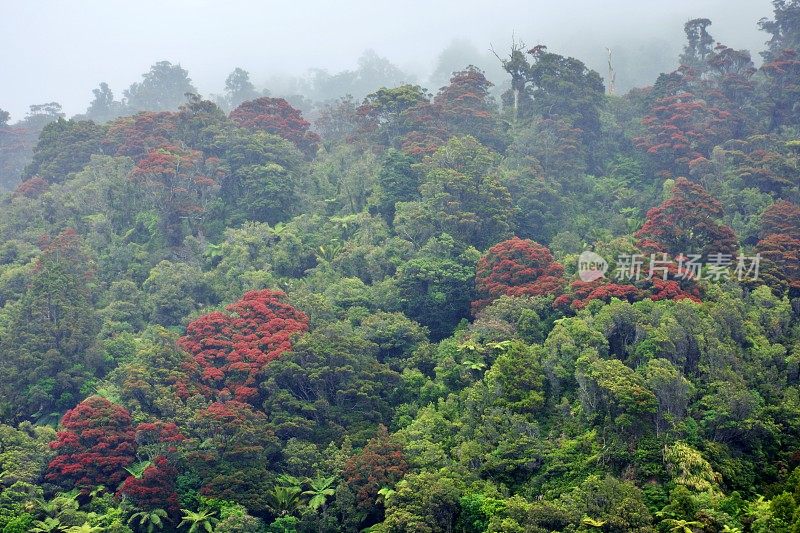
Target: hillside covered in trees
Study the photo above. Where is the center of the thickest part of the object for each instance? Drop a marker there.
(250, 314)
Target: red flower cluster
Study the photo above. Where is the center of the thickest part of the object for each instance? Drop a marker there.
(780, 246)
(135, 136)
(98, 441)
(278, 117)
(31, 187)
(160, 436)
(381, 463)
(155, 488)
(582, 292)
(95, 445)
(670, 289)
(687, 222)
(231, 349)
(682, 127)
(179, 182)
(516, 267)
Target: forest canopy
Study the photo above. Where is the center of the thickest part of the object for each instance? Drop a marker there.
(536, 307)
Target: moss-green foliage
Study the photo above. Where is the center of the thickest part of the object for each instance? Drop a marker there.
(404, 406)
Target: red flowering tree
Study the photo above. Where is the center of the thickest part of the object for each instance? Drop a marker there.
(731, 73)
(232, 348)
(231, 444)
(671, 288)
(780, 262)
(761, 161)
(687, 222)
(425, 130)
(582, 292)
(154, 487)
(780, 246)
(516, 267)
(180, 183)
(31, 187)
(278, 117)
(137, 135)
(464, 107)
(381, 463)
(157, 439)
(681, 128)
(95, 444)
(421, 142)
(783, 218)
(782, 73)
(467, 108)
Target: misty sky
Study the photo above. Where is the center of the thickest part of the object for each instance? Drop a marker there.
(60, 50)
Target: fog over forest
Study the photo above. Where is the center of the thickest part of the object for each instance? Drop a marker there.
(400, 267)
(53, 51)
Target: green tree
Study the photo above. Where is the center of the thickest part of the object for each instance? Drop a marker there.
(619, 504)
(173, 290)
(683, 526)
(398, 181)
(198, 521)
(383, 110)
(163, 88)
(463, 195)
(239, 88)
(283, 500)
(330, 384)
(50, 341)
(263, 177)
(149, 521)
(230, 444)
(104, 107)
(425, 502)
(64, 147)
(699, 46)
(437, 286)
(563, 87)
(48, 525)
(319, 490)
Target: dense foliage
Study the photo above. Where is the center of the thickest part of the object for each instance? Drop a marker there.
(267, 314)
